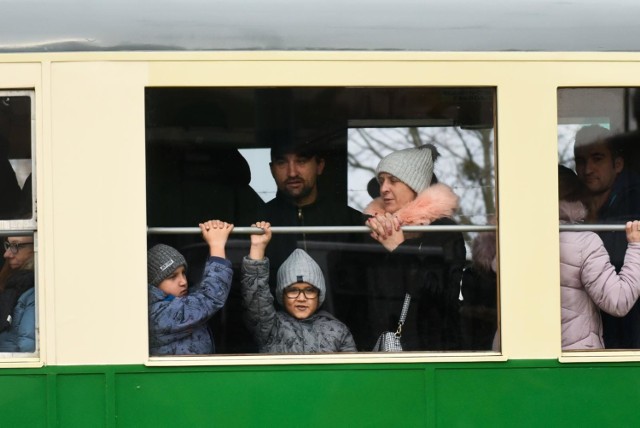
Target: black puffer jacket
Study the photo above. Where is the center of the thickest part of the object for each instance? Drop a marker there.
(428, 266)
(325, 211)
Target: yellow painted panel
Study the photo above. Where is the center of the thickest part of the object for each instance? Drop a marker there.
(20, 75)
(91, 166)
(98, 212)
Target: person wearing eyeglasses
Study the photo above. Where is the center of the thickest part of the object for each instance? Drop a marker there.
(302, 327)
(17, 297)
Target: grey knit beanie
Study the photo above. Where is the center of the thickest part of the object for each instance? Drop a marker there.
(300, 267)
(413, 166)
(162, 260)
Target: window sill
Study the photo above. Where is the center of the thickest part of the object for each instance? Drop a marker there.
(342, 358)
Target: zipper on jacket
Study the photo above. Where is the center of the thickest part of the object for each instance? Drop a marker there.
(301, 223)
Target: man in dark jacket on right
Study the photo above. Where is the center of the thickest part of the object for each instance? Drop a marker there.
(614, 198)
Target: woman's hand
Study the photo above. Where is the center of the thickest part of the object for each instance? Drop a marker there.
(386, 229)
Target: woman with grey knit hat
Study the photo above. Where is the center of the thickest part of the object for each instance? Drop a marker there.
(300, 290)
(178, 317)
(427, 265)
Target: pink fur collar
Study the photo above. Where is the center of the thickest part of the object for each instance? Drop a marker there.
(435, 202)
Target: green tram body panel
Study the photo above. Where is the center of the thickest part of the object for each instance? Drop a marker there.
(517, 393)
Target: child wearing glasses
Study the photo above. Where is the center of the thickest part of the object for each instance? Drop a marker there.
(17, 296)
(300, 290)
(177, 317)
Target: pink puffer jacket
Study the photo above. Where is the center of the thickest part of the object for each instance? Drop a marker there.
(589, 281)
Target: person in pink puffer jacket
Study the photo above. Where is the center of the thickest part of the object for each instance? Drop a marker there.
(588, 280)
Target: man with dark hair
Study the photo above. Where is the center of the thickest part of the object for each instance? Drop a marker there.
(296, 171)
(613, 198)
(303, 200)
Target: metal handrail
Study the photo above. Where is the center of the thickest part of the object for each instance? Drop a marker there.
(365, 229)
(17, 232)
(592, 227)
(345, 229)
(323, 229)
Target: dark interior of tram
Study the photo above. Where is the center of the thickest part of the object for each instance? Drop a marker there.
(195, 170)
(193, 135)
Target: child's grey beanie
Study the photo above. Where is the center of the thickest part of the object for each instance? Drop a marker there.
(162, 260)
(300, 267)
(413, 166)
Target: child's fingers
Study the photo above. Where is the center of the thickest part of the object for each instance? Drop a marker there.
(264, 225)
(215, 224)
(211, 224)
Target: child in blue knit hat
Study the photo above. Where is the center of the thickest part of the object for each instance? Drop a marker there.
(301, 327)
(178, 318)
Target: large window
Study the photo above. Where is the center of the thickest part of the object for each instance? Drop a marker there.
(305, 159)
(17, 225)
(599, 190)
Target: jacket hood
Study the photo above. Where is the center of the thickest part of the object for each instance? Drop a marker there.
(437, 201)
(155, 294)
(572, 212)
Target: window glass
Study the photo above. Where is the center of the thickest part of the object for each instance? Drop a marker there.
(17, 225)
(305, 157)
(15, 155)
(598, 143)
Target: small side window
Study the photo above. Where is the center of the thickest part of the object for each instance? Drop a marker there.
(599, 191)
(18, 327)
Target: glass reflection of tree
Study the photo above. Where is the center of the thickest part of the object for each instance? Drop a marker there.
(466, 164)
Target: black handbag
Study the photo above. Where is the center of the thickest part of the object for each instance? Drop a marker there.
(390, 341)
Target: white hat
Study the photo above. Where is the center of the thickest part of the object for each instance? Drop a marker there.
(414, 166)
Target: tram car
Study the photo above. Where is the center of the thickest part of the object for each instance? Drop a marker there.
(126, 125)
